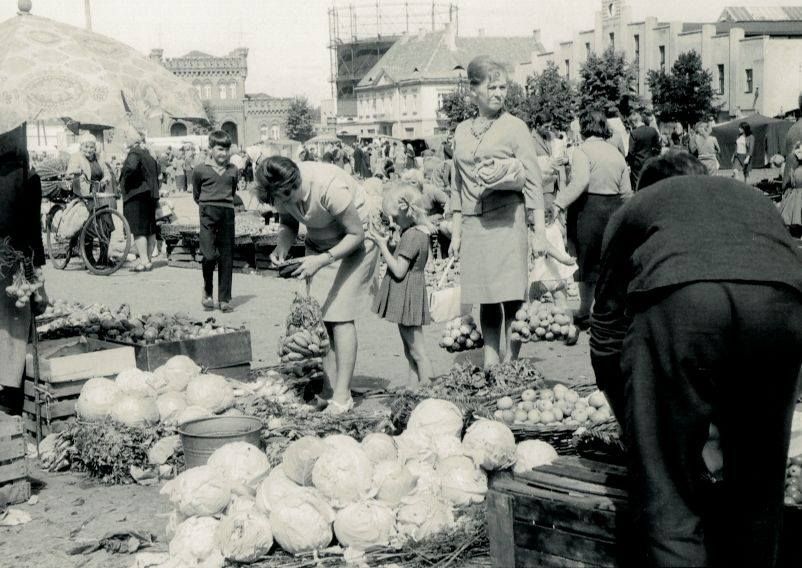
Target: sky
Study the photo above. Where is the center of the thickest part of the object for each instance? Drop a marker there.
(288, 39)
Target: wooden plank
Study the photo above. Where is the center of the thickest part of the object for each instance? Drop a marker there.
(507, 483)
(15, 493)
(99, 359)
(56, 390)
(54, 426)
(10, 426)
(540, 559)
(213, 352)
(500, 529)
(558, 482)
(237, 372)
(16, 470)
(12, 448)
(566, 545)
(579, 474)
(593, 522)
(60, 409)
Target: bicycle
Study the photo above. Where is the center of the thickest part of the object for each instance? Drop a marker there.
(93, 241)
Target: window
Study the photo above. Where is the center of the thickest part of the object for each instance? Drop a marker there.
(263, 130)
(610, 9)
(275, 132)
(207, 91)
(223, 92)
(587, 49)
(200, 90)
(721, 79)
(748, 80)
(662, 49)
(415, 103)
(568, 69)
(410, 132)
(404, 104)
(232, 90)
(612, 40)
(637, 48)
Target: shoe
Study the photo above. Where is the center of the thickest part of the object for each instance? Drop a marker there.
(335, 408)
(208, 302)
(225, 307)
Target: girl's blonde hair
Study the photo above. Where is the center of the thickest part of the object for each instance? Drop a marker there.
(403, 196)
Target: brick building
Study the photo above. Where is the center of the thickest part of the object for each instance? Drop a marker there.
(220, 82)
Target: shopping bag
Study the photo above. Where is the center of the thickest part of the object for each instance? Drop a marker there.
(556, 268)
(72, 220)
(445, 304)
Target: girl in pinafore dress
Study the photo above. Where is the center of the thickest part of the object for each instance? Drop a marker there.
(402, 296)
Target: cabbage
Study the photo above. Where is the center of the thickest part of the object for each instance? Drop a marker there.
(240, 504)
(170, 404)
(424, 516)
(302, 523)
(244, 537)
(364, 525)
(182, 363)
(174, 519)
(160, 452)
(340, 441)
(447, 446)
(461, 481)
(240, 462)
(300, 457)
(96, 399)
(343, 475)
(392, 481)
(273, 490)
(194, 540)
(191, 413)
(198, 491)
(135, 410)
(428, 481)
(531, 454)
(491, 444)
(415, 445)
(379, 447)
(166, 379)
(211, 392)
(134, 381)
(436, 417)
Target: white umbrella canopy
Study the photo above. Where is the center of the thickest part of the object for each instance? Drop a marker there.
(53, 70)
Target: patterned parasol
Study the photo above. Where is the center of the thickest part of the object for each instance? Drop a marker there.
(54, 70)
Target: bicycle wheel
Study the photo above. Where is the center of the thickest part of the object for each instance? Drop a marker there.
(105, 242)
(58, 250)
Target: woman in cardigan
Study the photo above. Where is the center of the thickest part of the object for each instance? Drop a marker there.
(338, 261)
(599, 184)
(497, 193)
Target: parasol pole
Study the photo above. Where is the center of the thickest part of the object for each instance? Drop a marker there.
(35, 357)
(88, 14)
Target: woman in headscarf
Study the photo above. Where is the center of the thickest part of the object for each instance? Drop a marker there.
(91, 175)
(140, 185)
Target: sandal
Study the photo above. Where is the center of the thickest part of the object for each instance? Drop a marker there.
(336, 408)
(137, 268)
(149, 267)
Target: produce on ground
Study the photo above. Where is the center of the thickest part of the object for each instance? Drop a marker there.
(793, 481)
(540, 321)
(552, 407)
(461, 334)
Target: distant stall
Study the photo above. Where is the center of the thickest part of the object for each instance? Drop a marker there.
(769, 136)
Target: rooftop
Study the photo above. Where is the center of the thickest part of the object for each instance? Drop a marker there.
(761, 14)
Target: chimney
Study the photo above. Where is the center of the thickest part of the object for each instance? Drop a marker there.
(451, 36)
(156, 55)
(536, 35)
(481, 32)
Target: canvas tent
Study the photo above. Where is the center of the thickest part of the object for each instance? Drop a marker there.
(769, 136)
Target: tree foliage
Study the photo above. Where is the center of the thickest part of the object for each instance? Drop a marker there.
(299, 120)
(685, 94)
(458, 107)
(606, 80)
(550, 92)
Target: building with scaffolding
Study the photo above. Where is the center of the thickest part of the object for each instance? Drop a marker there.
(360, 34)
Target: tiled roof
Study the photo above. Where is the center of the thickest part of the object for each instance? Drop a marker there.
(428, 56)
(761, 14)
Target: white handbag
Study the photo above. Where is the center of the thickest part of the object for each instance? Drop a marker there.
(445, 304)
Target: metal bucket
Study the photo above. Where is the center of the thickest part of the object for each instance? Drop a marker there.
(202, 437)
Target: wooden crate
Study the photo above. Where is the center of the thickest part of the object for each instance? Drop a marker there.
(57, 402)
(570, 514)
(74, 358)
(14, 485)
(213, 352)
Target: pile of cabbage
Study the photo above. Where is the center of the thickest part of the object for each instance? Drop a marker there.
(381, 492)
(173, 394)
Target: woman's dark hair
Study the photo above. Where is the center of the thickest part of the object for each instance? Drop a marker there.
(484, 68)
(276, 175)
(543, 117)
(671, 164)
(219, 138)
(594, 123)
(327, 158)
(746, 128)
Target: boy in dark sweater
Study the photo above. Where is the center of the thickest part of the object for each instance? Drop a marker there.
(214, 184)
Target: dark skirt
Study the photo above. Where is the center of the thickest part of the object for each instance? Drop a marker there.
(403, 301)
(587, 219)
(181, 182)
(140, 212)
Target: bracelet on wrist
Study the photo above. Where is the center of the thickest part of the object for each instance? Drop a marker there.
(329, 257)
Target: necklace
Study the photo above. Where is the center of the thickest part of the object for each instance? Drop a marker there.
(480, 125)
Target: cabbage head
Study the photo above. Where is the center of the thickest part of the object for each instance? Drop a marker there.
(191, 413)
(166, 379)
(530, 454)
(240, 462)
(379, 447)
(212, 392)
(343, 475)
(490, 444)
(244, 537)
(135, 410)
(340, 441)
(300, 457)
(134, 381)
(364, 525)
(273, 490)
(96, 399)
(435, 417)
(199, 491)
(170, 405)
(240, 504)
(424, 516)
(392, 481)
(415, 445)
(194, 540)
(302, 523)
(461, 480)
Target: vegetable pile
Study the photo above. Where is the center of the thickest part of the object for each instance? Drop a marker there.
(543, 322)
(305, 337)
(336, 499)
(461, 334)
(24, 287)
(436, 268)
(793, 481)
(558, 406)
